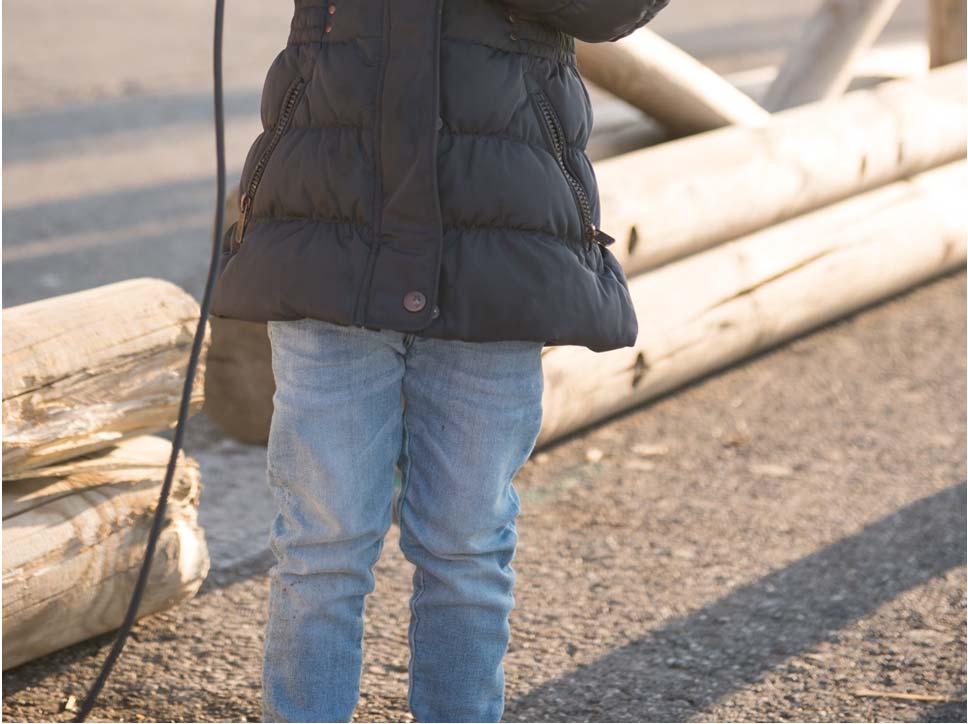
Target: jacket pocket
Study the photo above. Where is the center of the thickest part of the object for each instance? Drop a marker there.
(554, 135)
(290, 102)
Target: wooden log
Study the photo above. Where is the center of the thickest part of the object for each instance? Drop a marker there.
(882, 63)
(619, 128)
(238, 383)
(84, 371)
(712, 309)
(672, 200)
(73, 539)
(948, 37)
(821, 64)
(671, 86)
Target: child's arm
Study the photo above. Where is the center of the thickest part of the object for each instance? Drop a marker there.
(594, 21)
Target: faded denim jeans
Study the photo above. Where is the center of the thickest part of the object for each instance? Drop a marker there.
(460, 419)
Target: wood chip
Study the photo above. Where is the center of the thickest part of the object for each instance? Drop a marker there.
(642, 465)
(649, 451)
(768, 470)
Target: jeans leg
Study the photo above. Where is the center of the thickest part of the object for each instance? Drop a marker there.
(334, 440)
(473, 413)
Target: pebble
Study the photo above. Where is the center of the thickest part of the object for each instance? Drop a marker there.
(594, 454)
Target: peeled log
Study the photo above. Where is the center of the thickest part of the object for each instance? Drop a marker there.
(705, 312)
(665, 202)
(84, 371)
(671, 86)
(73, 539)
(821, 64)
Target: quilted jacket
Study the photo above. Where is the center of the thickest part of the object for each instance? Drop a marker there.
(422, 168)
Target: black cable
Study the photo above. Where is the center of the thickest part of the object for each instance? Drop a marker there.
(193, 359)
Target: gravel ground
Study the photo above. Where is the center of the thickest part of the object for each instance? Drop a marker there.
(764, 545)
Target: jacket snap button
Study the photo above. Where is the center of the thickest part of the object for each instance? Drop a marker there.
(435, 312)
(440, 123)
(328, 26)
(414, 301)
(331, 8)
(513, 36)
(510, 17)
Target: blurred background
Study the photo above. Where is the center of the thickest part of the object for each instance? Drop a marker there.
(783, 539)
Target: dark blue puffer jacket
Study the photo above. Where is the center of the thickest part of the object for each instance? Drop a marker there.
(423, 169)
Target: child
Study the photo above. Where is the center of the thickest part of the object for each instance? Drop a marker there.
(418, 219)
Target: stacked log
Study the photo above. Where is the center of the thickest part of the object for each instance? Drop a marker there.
(85, 377)
(665, 202)
(812, 167)
(73, 538)
(712, 309)
(87, 370)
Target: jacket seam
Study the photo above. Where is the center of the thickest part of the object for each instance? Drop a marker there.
(324, 126)
(314, 219)
(553, 238)
(568, 57)
(316, 41)
(516, 139)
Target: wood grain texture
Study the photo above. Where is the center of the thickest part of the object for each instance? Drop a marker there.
(84, 371)
(73, 539)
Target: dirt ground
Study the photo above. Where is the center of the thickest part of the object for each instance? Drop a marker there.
(783, 541)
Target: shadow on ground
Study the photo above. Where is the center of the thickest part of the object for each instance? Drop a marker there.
(691, 663)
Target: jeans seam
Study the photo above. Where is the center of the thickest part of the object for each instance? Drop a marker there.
(420, 585)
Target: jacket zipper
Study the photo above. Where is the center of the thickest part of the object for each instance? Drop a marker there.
(291, 100)
(590, 232)
(363, 290)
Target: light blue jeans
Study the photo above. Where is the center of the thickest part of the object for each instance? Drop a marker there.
(460, 419)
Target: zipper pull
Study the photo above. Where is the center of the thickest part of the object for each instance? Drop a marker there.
(601, 237)
(245, 206)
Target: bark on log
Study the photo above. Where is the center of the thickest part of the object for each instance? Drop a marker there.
(948, 31)
(674, 88)
(84, 371)
(715, 308)
(665, 202)
(821, 64)
(73, 539)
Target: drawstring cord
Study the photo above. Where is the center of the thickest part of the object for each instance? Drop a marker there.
(193, 360)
